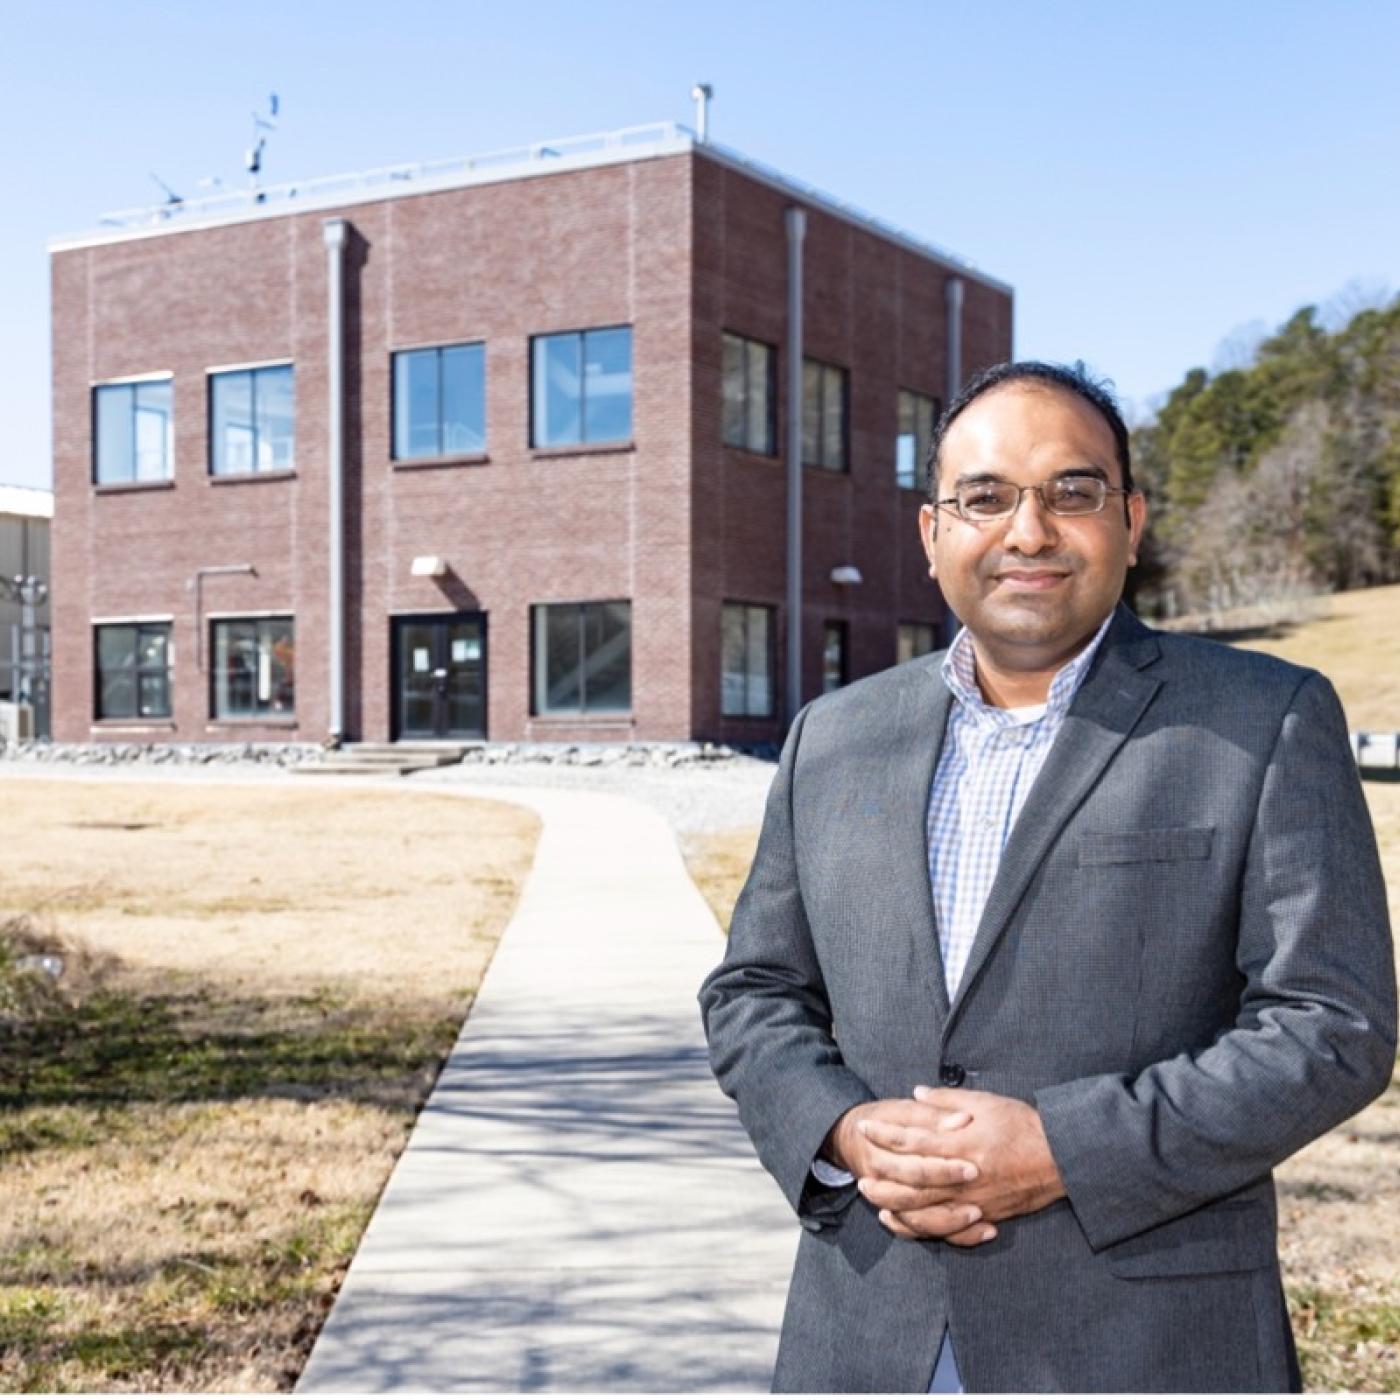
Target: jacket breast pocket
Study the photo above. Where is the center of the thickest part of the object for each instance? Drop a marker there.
(1176, 843)
(1231, 1237)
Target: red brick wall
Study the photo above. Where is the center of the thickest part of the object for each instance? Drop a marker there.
(679, 248)
(496, 263)
(875, 308)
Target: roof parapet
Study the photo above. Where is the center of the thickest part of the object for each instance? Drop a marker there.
(513, 163)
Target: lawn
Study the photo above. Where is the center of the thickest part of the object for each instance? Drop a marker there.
(1339, 1199)
(260, 986)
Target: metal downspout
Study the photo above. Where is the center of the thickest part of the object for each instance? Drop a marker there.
(796, 221)
(953, 297)
(335, 235)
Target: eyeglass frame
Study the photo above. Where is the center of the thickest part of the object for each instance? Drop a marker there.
(1039, 489)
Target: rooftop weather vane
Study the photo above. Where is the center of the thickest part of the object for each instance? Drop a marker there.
(252, 159)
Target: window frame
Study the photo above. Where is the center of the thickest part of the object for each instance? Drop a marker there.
(132, 382)
(771, 659)
(921, 450)
(258, 716)
(582, 443)
(747, 342)
(441, 455)
(842, 628)
(826, 367)
(901, 628)
(540, 680)
(252, 371)
(136, 670)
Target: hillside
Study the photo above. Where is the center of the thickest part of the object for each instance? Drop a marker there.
(1356, 644)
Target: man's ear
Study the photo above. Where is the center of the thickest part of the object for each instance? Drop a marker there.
(928, 536)
(1137, 523)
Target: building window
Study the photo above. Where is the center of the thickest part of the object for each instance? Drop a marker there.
(252, 420)
(825, 390)
(132, 437)
(833, 656)
(439, 402)
(583, 658)
(915, 639)
(750, 395)
(133, 670)
(746, 661)
(917, 413)
(582, 387)
(254, 668)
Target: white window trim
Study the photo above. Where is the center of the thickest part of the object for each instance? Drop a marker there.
(155, 377)
(251, 614)
(251, 364)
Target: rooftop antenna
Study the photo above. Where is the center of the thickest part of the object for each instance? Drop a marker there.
(173, 201)
(252, 157)
(702, 92)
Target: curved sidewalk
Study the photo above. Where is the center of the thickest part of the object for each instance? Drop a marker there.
(577, 1207)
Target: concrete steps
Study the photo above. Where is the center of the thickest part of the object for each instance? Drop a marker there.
(372, 759)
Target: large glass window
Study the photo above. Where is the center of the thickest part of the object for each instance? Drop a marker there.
(824, 398)
(750, 397)
(833, 656)
(583, 658)
(917, 413)
(746, 662)
(582, 387)
(254, 668)
(132, 437)
(915, 639)
(133, 670)
(439, 402)
(252, 415)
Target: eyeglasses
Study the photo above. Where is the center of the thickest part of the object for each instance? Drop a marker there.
(979, 501)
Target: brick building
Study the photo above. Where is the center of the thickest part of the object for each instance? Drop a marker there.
(498, 447)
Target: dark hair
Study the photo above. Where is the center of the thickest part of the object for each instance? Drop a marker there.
(1074, 379)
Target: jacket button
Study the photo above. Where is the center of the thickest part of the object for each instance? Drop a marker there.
(951, 1075)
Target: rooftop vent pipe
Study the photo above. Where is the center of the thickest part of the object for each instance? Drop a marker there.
(702, 92)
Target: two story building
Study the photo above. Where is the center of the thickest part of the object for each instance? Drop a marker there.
(501, 447)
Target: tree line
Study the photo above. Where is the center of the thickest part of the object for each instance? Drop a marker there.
(1278, 478)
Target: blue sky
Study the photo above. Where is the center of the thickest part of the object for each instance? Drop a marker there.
(1150, 178)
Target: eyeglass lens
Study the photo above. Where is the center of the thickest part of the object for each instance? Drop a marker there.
(1066, 495)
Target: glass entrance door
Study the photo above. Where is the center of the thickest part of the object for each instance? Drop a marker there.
(440, 665)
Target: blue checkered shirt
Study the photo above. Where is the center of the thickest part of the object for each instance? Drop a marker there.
(989, 760)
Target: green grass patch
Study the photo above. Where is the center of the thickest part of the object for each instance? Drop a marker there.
(1348, 1341)
(118, 1048)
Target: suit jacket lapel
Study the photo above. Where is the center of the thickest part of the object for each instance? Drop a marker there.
(919, 726)
(1107, 706)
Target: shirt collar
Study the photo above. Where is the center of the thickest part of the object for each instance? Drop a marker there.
(960, 676)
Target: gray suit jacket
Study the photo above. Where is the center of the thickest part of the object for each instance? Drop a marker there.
(1185, 964)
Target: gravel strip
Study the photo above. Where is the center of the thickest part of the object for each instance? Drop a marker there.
(709, 797)
(692, 792)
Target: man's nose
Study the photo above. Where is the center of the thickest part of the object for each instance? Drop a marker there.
(1031, 527)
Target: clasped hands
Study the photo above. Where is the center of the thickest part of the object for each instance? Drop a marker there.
(946, 1163)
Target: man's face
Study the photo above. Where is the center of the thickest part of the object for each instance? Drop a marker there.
(1033, 587)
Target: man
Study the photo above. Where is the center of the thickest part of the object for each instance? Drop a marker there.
(1053, 947)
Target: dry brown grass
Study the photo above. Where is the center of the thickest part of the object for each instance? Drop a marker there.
(1355, 643)
(719, 862)
(269, 891)
(189, 1154)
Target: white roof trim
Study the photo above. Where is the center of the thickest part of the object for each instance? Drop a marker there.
(30, 501)
(521, 163)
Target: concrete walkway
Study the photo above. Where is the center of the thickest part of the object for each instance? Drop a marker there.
(577, 1207)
